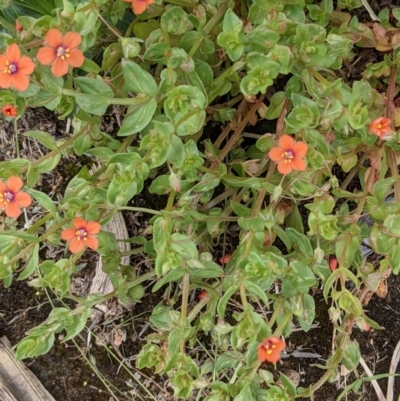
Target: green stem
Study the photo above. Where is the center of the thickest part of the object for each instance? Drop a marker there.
(185, 298)
(232, 140)
(16, 136)
(32, 244)
(243, 296)
(208, 28)
(215, 18)
(40, 222)
(318, 76)
(136, 209)
(121, 101)
(283, 323)
(105, 22)
(53, 153)
(133, 251)
(182, 3)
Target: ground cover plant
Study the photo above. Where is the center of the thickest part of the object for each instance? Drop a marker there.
(301, 197)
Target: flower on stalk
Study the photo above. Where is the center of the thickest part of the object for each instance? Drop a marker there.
(381, 127)
(18, 26)
(81, 235)
(12, 198)
(61, 51)
(225, 259)
(289, 155)
(9, 111)
(139, 6)
(14, 69)
(202, 295)
(270, 349)
(333, 263)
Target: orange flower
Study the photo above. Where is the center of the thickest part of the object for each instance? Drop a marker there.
(82, 235)
(14, 69)
(381, 127)
(139, 6)
(270, 349)
(333, 263)
(61, 51)
(9, 111)
(12, 198)
(289, 155)
(202, 295)
(18, 26)
(225, 259)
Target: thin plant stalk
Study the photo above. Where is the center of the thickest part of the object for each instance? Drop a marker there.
(16, 137)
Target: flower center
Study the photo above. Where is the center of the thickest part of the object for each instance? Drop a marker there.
(6, 197)
(11, 68)
(63, 52)
(379, 126)
(81, 234)
(269, 347)
(287, 155)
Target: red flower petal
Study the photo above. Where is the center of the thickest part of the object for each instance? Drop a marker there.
(286, 142)
(54, 38)
(5, 80)
(79, 223)
(26, 65)
(68, 234)
(270, 349)
(92, 227)
(14, 184)
(284, 168)
(76, 245)
(139, 6)
(22, 199)
(59, 67)
(300, 149)
(46, 55)
(13, 210)
(13, 53)
(92, 242)
(20, 82)
(3, 62)
(298, 164)
(76, 58)
(72, 40)
(275, 154)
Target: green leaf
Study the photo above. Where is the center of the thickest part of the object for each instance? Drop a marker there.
(43, 199)
(276, 105)
(44, 138)
(300, 242)
(31, 265)
(346, 248)
(137, 80)
(175, 21)
(254, 289)
(208, 181)
(225, 299)
(232, 35)
(91, 86)
(138, 118)
(49, 164)
(382, 187)
(90, 66)
(78, 324)
(172, 275)
(351, 355)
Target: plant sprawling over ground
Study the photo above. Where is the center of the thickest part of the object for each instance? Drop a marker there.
(175, 68)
